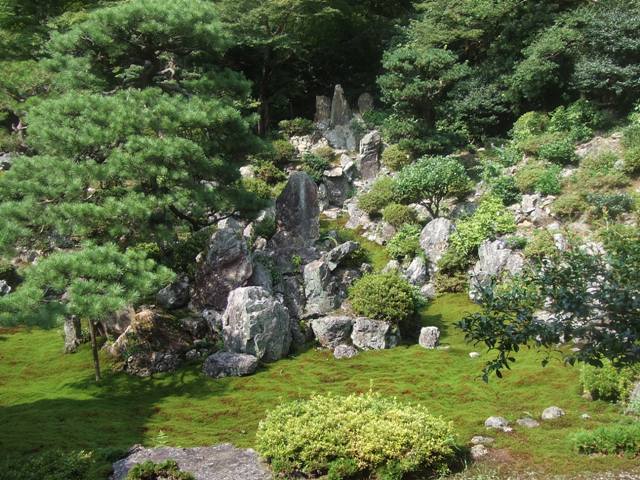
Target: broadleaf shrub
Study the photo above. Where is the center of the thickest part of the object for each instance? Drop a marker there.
(296, 126)
(365, 433)
(398, 215)
(538, 177)
(560, 152)
(609, 440)
(384, 296)
(381, 194)
(405, 243)
(608, 382)
(395, 158)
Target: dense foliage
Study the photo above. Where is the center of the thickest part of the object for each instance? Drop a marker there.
(609, 440)
(358, 434)
(384, 296)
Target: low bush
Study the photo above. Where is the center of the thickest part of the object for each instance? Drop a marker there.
(327, 153)
(540, 246)
(530, 124)
(610, 205)
(539, 177)
(398, 215)
(609, 440)
(570, 205)
(354, 435)
(315, 165)
(505, 188)
(577, 120)
(559, 152)
(296, 126)
(381, 194)
(258, 187)
(405, 243)
(515, 242)
(282, 151)
(599, 174)
(60, 465)
(167, 470)
(631, 145)
(395, 158)
(608, 382)
(268, 172)
(384, 296)
(490, 219)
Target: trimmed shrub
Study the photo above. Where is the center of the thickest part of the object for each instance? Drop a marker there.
(327, 153)
(384, 296)
(490, 219)
(607, 382)
(296, 126)
(356, 434)
(398, 215)
(504, 187)
(167, 470)
(530, 124)
(60, 465)
(381, 194)
(258, 187)
(609, 440)
(599, 174)
(282, 151)
(570, 205)
(610, 205)
(315, 165)
(405, 243)
(537, 177)
(395, 158)
(560, 152)
(516, 242)
(540, 246)
(268, 172)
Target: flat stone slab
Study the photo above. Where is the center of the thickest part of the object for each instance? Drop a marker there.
(220, 462)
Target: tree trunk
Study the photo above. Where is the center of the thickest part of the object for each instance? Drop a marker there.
(94, 350)
(265, 107)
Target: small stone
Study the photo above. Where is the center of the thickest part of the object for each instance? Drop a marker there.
(227, 364)
(496, 422)
(482, 440)
(479, 451)
(527, 422)
(345, 351)
(474, 355)
(429, 337)
(585, 416)
(552, 413)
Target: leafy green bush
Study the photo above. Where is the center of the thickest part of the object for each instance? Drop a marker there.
(609, 440)
(540, 246)
(328, 153)
(560, 152)
(610, 205)
(296, 126)
(631, 145)
(538, 177)
(405, 243)
(516, 242)
(490, 219)
(315, 166)
(384, 296)
(398, 215)
(60, 465)
(395, 158)
(530, 124)
(369, 432)
(569, 205)
(268, 172)
(381, 194)
(578, 120)
(599, 174)
(258, 187)
(167, 470)
(282, 151)
(505, 188)
(608, 382)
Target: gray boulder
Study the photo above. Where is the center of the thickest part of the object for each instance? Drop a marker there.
(370, 334)
(552, 413)
(496, 422)
(339, 253)
(220, 462)
(320, 288)
(323, 109)
(72, 334)
(340, 110)
(337, 187)
(332, 331)
(297, 209)
(633, 404)
(227, 266)
(528, 422)
(368, 161)
(174, 296)
(434, 240)
(5, 288)
(6, 161)
(494, 260)
(429, 337)
(482, 440)
(255, 323)
(261, 276)
(228, 364)
(417, 273)
(365, 103)
(478, 452)
(345, 351)
(291, 289)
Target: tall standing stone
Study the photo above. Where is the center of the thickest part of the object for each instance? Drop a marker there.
(72, 334)
(297, 208)
(434, 240)
(323, 109)
(369, 159)
(340, 110)
(365, 103)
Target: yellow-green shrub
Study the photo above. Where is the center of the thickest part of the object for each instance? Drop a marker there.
(395, 158)
(398, 215)
(367, 432)
(384, 296)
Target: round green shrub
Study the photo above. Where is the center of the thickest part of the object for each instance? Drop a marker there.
(296, 126)
(570, 205)
(398, 215)
(268, 172)
(315, 165)
(395, 158)
(327, 153)
(560, 152)
(405, 243)
(608, 382)
(384, 296)
(504, 187)
(538, 177)
(540, 246)
(282, 151)
(258, 187)
(381, 194)
(356, 434)
(529, 125)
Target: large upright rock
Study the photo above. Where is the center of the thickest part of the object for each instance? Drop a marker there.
(175, 295)
(368, 160)
(227, 266)
(332, 331)
(256, 324)
(297, 209)
(323, 109)
(434, 240)
(374, 334)
(494, 260)
(365, 103)
(320, 289)
(340, 110)
(72, 334)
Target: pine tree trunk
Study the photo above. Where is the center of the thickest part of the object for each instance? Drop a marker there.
(94, 350)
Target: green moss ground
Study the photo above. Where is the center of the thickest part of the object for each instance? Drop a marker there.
(48, 399)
